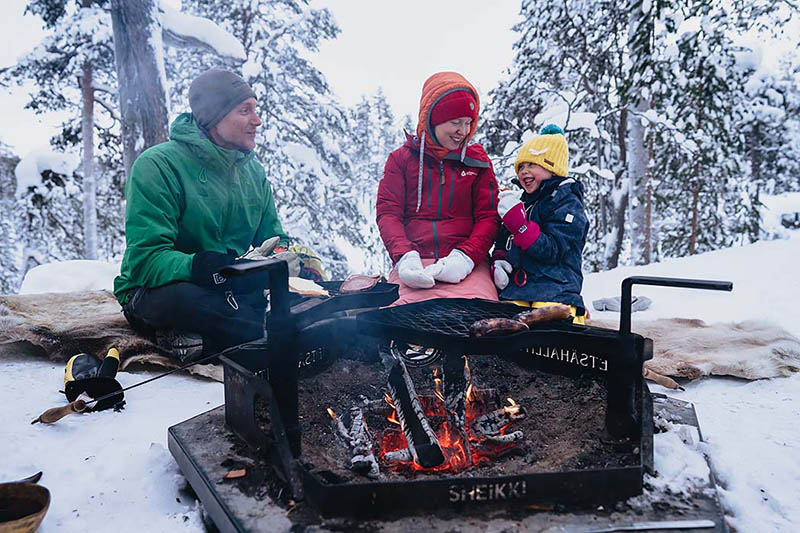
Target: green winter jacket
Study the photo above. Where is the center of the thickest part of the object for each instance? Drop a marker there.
(189, 195)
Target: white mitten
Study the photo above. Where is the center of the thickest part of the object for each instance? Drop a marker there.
(500, 271)
(455, 267)
(505, 201)
(263, 250)
(410, 271)
(292, 261)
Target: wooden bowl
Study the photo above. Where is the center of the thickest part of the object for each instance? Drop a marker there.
(22, 507)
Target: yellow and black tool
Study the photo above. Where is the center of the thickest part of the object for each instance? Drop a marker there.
(87, 375)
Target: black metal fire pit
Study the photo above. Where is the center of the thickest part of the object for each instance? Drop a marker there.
(303, 335)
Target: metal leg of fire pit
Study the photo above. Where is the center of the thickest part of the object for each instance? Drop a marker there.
(620, 420)
(247, 398)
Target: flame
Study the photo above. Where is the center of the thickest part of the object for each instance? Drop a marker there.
(388, 399)
(437, 385)
(512, 409)
(330, 412)
(453, 441)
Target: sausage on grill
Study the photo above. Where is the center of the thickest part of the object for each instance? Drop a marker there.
(543, 314)
(496, 326)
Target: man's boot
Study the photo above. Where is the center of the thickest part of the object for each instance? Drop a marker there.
(184, 346)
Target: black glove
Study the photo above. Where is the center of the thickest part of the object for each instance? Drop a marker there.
(206, 267)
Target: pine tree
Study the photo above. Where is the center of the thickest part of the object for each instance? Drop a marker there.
(670, 104)
(374, 136)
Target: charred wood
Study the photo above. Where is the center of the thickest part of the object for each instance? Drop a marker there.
(422, 441)
(358, 441)
(493, 423)
(456, 384)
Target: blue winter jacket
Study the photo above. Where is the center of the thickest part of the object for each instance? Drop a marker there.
(552, 265)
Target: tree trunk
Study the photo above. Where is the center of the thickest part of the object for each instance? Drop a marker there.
(648, 234)
(640, 32)
(695, 207)
(142, 81)
(638, 182)
(619, 200)
(89, 179)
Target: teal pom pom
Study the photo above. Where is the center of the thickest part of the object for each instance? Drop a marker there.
(551, 129)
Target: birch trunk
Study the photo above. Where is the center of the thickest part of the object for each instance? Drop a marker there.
(638, 184)
(618, 200)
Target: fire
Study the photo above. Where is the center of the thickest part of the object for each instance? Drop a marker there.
(437, 384)
(513, 408)
(330, 412)
(459, 454)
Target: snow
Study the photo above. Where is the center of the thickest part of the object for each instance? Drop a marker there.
(201, 29)
(29, 170)
(70, 276)
(114, 467)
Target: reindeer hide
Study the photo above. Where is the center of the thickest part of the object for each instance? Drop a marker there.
(689, 348)
(64, 324)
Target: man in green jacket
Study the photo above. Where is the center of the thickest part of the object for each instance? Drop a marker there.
(196, 204)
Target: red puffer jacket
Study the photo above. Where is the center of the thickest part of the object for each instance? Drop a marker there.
(457, 209)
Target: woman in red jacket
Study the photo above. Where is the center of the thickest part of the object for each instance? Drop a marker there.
(437, 201)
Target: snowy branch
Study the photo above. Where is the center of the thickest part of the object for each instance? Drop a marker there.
(182, 30)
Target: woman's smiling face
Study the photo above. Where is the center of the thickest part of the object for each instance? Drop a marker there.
(452, 133)
(531, 176)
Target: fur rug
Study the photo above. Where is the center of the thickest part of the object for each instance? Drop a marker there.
(689, 348)
(63, 324)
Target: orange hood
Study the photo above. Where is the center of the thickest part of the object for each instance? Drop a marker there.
(433, 89)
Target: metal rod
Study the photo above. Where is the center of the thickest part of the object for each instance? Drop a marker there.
(684, 283)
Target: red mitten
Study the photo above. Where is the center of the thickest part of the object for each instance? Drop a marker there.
(525, 231)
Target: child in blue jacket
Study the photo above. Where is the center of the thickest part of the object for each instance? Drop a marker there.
(537, 258)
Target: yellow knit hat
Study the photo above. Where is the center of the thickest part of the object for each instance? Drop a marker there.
(548, 150)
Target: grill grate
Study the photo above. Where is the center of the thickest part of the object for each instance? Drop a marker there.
(451, 317)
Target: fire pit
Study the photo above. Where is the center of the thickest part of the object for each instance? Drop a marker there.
(400, 409)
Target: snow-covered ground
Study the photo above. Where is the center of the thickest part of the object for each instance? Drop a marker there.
(112, 470)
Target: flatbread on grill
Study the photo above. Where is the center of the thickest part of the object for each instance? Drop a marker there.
(306, 287)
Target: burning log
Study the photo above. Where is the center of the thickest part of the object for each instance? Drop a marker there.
(421, 439)
(361, 440)
(456, 389)
(493, 423)
(505, 439)
(358, 440)
(398, 456)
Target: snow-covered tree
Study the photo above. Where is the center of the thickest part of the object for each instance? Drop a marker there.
(374, 135)
(305, 139)
(666, 145)
(10, 224)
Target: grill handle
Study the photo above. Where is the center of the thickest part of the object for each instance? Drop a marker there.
(278, 281)
(627, 283)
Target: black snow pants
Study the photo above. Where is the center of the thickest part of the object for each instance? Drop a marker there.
(222, 319)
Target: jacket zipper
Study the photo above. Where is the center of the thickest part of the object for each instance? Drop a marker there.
(438, 211)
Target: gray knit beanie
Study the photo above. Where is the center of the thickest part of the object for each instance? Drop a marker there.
(214, 93)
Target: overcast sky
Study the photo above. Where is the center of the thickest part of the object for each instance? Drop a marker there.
(395, 45)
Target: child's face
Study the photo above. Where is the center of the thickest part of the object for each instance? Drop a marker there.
(531, 176)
